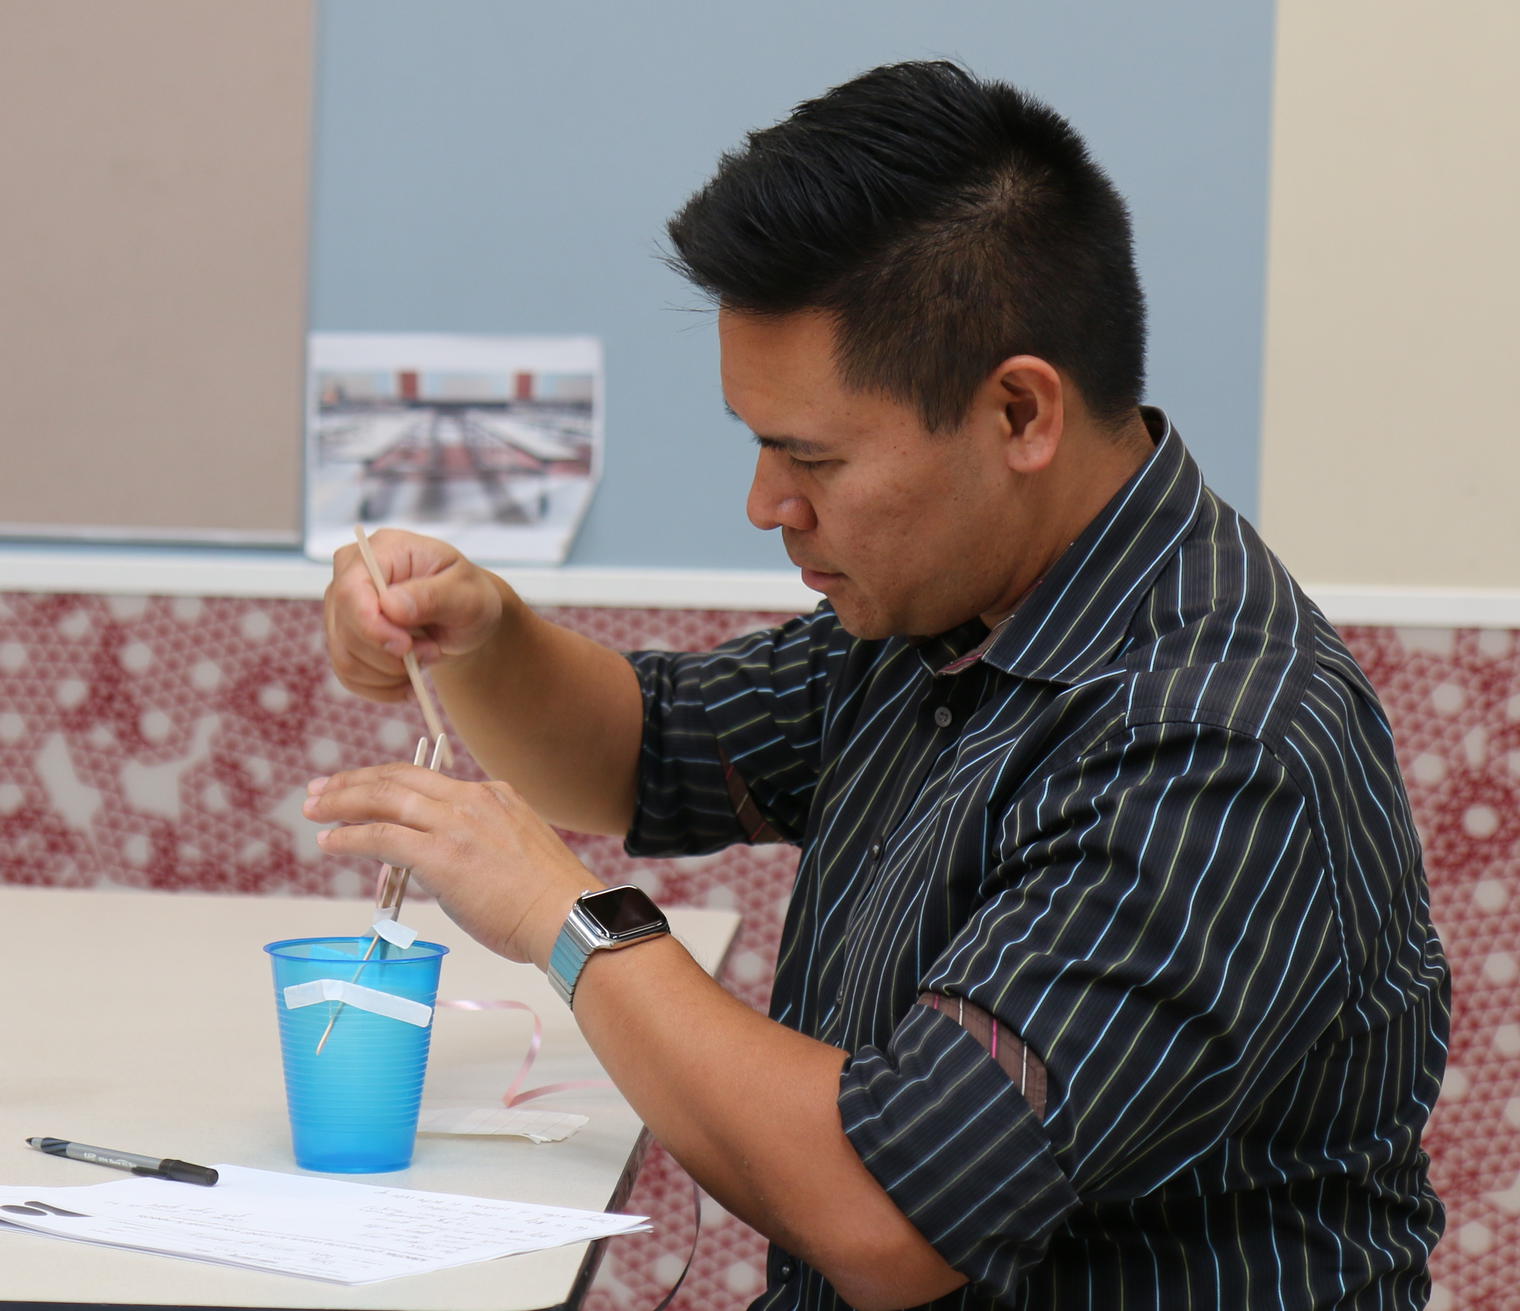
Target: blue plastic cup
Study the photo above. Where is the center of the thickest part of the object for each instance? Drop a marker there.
(353, 1108)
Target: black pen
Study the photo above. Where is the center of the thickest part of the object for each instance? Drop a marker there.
(152, 1166)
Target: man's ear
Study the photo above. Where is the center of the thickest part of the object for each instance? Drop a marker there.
(1032, 396)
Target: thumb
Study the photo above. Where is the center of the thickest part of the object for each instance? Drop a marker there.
(401, 605)
(446, 605)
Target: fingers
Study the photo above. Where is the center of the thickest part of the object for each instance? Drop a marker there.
(399, 814)
(369, 630)
(394, 791)
(411, 797)
(362, 667)
(434, 603)
(365, 647)
(390, 844)
(449, 611)
(384, 620)
(496, 868)
(426, 584)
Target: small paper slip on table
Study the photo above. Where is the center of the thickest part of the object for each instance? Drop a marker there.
(146, 1021)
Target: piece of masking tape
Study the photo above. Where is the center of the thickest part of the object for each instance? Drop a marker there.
(395, 933)
(360, 997)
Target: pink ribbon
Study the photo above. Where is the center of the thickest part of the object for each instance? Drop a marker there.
(512, 1097)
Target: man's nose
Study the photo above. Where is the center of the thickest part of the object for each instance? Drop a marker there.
(774, 501)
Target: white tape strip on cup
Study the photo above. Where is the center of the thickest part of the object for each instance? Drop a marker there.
(397, 934)
(365, 999)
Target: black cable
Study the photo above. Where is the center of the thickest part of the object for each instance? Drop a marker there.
(696, 1233)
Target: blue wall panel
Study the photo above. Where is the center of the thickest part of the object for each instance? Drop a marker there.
(485, 166)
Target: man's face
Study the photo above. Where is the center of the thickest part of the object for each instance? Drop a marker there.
(906, 532)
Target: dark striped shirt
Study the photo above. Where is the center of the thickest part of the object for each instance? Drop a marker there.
(1154, 824)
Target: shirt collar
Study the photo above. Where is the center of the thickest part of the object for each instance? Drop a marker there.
(1079, 613)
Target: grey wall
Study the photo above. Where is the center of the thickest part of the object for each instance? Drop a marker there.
(491, 166)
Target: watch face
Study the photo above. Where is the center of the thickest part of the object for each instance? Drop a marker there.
(622, 911)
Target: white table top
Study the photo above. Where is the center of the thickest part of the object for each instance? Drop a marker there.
(145, 1022)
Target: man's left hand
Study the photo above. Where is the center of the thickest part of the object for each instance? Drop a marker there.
(497, 869)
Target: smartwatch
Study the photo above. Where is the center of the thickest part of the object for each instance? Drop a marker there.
(604, 920)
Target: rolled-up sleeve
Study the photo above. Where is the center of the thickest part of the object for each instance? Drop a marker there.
(941, 1127)
(730, 748)
(1158, 925)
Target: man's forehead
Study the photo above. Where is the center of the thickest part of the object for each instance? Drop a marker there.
(803, 336)
(779, 378)
(781, 363)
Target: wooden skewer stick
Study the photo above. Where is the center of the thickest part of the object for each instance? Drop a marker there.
(413, 670)
(393, 881)
(392, 889)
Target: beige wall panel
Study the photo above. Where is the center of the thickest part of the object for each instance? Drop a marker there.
(152, 264)
(1390, 449)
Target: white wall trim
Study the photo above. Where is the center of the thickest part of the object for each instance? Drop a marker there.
(189, 572)
(1379, 606)
(148, 572)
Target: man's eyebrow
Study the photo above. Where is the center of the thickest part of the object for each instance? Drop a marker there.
(791, 445)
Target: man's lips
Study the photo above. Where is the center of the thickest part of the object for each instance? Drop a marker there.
(817, 579)
(812, 577)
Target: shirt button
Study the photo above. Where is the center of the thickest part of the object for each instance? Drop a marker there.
(786, 1270)
(943, 717)
(875, 851)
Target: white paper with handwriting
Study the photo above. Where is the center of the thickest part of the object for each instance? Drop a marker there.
(316, 1228)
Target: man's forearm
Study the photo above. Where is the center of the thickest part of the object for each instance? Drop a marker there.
(555, 714)
(750, 1108)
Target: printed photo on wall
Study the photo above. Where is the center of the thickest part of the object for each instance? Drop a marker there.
(492, 443)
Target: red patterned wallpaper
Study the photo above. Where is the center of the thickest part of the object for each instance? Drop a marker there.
(165, 743)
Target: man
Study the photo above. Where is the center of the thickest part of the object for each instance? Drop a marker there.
(1108, 979)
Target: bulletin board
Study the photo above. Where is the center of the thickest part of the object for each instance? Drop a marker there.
(153, 268)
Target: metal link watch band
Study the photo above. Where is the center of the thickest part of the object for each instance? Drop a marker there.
(583, 934)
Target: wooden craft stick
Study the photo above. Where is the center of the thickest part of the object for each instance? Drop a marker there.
(413, 670)
(391, 889)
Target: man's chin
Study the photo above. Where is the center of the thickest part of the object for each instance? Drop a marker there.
(868, 625)
(859, 622)
(873, 623)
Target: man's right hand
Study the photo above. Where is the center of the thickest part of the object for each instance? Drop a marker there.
(554, 713)
(437, 604)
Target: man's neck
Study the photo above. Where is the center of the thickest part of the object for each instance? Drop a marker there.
(1093, 465)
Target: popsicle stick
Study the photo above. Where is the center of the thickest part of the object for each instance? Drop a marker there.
(413, 669)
